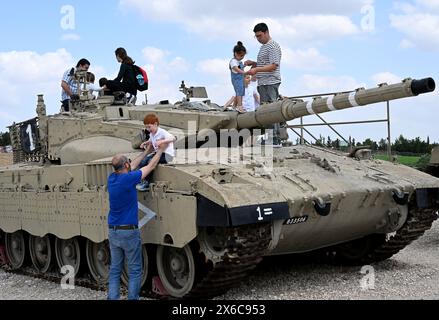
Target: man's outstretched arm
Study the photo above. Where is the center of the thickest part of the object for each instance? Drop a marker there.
(154, 162)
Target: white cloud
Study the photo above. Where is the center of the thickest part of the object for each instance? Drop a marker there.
(154, 55)
(179, 65)
(300, 30)
(71, 37)
(219, 86)
(25, 74)
(310, 59)
(299, 23)
(419, 22)
(215, 67)
(429, 4)
(314, 84)
(165, 74)
(27, 67)
(386, 77)
(314, 28)
(407, 44)
(180, 10)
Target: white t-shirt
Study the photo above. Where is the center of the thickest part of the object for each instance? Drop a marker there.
(93, 88)
(234, 63)
(162, 134)
(248, 101)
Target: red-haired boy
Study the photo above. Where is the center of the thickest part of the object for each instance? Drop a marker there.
(158, 136)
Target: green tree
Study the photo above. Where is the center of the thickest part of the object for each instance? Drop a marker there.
(329, 142)
(382, 145)
(5, 139)
(372, 144)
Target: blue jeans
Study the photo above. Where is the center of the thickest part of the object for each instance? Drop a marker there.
(145, 161)
(125, 244)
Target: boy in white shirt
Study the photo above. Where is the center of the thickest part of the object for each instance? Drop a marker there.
(158, 136)
(251, 100)
(90, 85)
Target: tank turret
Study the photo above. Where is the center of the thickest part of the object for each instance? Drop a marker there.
(98, 128)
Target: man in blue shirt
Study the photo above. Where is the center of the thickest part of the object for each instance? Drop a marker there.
(124, 234)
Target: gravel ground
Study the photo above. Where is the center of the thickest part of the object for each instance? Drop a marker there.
(411, 274)
(5, 159)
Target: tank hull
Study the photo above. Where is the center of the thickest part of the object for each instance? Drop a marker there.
(71, 200)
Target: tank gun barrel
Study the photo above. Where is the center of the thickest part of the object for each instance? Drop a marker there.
(288, 109)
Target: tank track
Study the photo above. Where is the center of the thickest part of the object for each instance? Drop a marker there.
(382, 247)
(83, 282)
(245, 248)
(54, 277)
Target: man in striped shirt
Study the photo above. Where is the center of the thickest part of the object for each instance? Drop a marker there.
(69, 85)
(267, 70)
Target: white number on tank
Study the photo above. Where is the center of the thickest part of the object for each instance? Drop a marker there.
(31, 140)
(267, 212)
(260, 218)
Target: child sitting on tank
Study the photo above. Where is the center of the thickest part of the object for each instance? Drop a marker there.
(111, 88)
(158, 136)
(90, 85)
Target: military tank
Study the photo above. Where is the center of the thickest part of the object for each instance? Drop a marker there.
(433, 165)
(212, 215)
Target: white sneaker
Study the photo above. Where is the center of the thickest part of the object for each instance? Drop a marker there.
(132, 100)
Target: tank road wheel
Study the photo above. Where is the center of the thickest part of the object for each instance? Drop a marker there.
(41, 253)
(68, 253)
(213, 243)
(98, 260)
(16, 249)
(145, 266)
(176, 269)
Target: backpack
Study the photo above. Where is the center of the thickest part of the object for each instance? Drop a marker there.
(141, 78)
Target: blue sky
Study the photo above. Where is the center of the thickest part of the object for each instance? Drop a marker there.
(327, 46)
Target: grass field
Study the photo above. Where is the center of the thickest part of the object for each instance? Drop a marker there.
(405, 160)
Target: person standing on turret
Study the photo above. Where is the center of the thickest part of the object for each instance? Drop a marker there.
(267, 70)
(237, 74)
